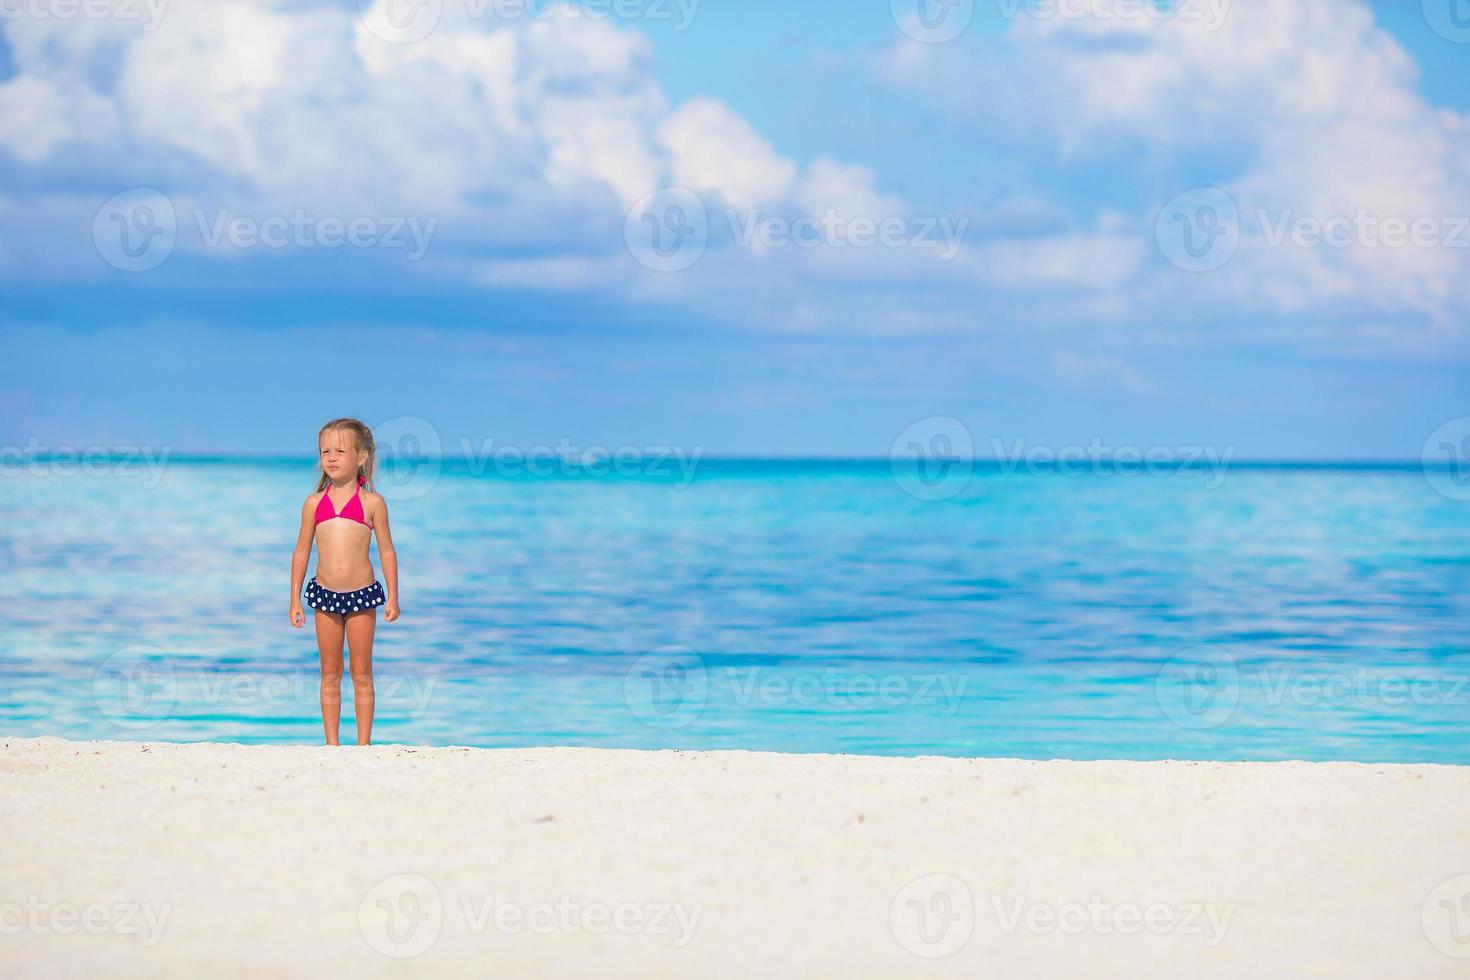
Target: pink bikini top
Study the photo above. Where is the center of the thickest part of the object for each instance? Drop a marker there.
(352, 510)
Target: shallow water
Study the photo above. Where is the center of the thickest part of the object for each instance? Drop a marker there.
(1271, 613)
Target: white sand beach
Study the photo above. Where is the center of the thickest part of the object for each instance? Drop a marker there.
(136, 859)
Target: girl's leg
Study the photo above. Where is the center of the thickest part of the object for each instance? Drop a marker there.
(360, 629)
(329, 644)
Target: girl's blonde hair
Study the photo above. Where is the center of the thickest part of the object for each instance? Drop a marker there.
(364, 438)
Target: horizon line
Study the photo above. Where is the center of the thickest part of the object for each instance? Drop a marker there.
(1135, 459)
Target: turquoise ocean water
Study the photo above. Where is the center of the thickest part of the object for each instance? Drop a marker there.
(1262, 613)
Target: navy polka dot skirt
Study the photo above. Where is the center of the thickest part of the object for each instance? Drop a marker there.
(325, 600)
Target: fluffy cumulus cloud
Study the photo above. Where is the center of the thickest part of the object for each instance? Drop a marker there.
(715, 151)
(529, 141)
(1351, 191)
(526, 138)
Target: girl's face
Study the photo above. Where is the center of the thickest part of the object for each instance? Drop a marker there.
(339, 453)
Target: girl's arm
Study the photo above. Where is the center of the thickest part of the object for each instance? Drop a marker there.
(299, 559)
(388, 557)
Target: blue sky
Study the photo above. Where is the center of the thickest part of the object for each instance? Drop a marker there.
(1044, 174)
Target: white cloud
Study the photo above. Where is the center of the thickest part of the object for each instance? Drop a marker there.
(528, 134)
(1321, 107)
(535, 136)
(714, 150)
(1095, 261)
(561, 272)
(202, 83)
(33, 118)
(849, 190)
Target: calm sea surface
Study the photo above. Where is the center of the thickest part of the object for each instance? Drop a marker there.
(1266, 613)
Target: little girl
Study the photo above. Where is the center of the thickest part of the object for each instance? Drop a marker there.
(343, 519)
